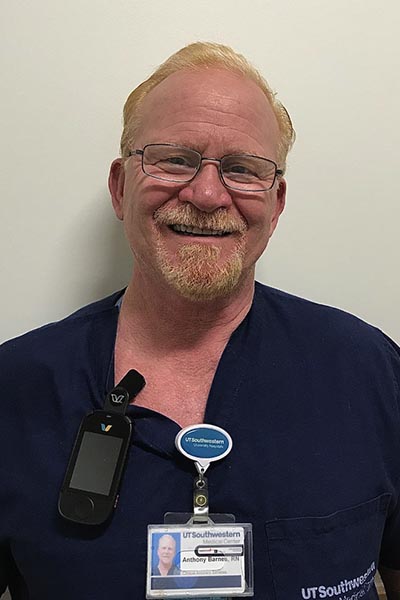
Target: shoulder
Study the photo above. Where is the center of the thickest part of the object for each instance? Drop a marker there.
(305, 314)
(59, 343)
(319, 328)
(36, 338)
(174, 570)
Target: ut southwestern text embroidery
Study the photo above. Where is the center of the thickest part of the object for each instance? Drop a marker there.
(360, 586)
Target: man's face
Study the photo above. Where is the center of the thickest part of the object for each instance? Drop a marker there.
(166, 549)
(215, 112)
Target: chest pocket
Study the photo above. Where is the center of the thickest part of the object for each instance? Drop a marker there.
(334, 556)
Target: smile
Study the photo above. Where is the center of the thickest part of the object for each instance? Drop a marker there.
(187, 230)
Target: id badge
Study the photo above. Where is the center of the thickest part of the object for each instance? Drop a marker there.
(199, 561)
(200, 555)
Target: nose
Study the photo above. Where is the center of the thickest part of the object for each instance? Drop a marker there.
(206, 191)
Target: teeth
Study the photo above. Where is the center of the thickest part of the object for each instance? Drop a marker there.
(196, 230)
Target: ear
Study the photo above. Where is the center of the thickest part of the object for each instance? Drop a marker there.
(116, 182)
(280, 202)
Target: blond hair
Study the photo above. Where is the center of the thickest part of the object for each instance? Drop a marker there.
(205, 55)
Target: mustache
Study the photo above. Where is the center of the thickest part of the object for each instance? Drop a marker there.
(188, 215)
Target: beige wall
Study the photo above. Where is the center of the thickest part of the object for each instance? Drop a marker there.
(67, 70)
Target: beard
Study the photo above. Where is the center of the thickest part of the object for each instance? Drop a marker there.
(197, 271)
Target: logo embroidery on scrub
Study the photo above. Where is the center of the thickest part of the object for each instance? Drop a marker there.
(347, 589)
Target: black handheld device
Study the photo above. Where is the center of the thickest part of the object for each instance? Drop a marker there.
(89, 492)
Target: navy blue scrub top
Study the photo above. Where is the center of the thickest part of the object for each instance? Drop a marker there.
(310, 396)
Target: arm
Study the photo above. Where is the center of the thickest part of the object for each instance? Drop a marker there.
(4, 568)
(391, 581)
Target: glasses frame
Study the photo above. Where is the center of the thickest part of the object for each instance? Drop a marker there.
(140, 152)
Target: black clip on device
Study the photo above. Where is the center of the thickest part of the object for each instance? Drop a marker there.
(89, 492)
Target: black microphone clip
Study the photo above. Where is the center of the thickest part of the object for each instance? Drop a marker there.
(119, 398)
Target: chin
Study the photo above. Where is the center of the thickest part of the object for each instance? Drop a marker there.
(198, 273)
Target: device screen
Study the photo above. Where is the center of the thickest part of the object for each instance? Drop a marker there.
(95, 463)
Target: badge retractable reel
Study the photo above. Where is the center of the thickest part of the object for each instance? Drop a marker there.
(89, 492)
(200, 554)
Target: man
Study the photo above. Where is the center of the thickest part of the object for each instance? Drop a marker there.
(166, 551)
(309, 394)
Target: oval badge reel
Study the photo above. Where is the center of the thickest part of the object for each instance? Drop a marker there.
(203, 444)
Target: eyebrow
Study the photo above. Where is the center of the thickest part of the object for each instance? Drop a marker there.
(232, 151)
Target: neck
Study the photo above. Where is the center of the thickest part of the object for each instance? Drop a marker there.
(157, 316)
(164, 568)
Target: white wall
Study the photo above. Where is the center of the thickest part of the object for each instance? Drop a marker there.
(68, 67)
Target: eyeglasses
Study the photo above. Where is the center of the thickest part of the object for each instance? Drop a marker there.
(177, 164)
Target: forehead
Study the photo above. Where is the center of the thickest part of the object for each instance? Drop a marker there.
(209, 103)
(166, 540)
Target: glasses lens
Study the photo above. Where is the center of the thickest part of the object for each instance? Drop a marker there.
(250, 173)
(171, 163)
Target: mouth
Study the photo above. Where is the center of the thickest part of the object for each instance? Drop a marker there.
(196, 231)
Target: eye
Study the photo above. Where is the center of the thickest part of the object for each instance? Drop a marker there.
(248, 170)
(174, 163)
(180, 161)
(239, 169)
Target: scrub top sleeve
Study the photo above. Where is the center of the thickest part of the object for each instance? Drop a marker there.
(390, 548)
(5, 565)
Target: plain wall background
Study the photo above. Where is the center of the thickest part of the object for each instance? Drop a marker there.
(67, 69)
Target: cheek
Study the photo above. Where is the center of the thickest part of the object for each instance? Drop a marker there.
(139, 225)
(257, 217)
(259, 227)
(147, 198)
(260, 218)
